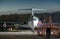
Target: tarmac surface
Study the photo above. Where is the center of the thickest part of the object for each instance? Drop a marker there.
(24, 35)
(18, 33)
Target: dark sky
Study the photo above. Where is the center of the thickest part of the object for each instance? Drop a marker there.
(11, 6)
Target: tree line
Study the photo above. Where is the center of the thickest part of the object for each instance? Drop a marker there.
(25, 17)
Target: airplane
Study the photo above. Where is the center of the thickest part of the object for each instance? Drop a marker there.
(34, 21)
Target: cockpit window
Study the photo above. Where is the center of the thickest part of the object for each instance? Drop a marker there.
(34, 19)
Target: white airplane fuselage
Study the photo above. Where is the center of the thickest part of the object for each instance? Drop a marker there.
(33, 22)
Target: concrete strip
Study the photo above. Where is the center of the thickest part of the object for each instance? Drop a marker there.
(17, 33)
